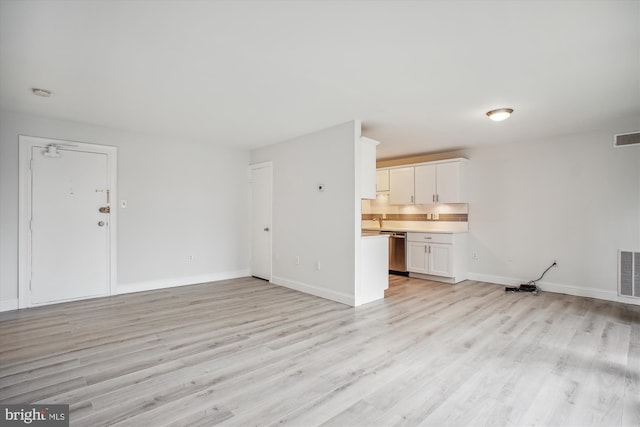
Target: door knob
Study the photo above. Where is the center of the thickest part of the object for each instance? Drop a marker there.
(100, 223)
(266, 229)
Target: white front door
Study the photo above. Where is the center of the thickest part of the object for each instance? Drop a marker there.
(69, 223)
(261, 205)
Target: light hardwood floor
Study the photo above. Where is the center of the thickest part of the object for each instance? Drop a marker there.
(244, 352)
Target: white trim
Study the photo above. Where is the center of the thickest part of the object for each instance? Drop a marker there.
(314, 290)
(9, 305)
(26, 143)
(180, 281)
(261, 165)
(556, 288)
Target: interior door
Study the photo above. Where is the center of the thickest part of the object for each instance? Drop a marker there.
(70, 253)
(261, 216)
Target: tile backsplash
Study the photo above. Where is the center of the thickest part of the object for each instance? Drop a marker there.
(417, 217)
(380, 207)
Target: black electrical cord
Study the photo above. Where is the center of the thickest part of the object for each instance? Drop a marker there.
(533, 282)
(530, 286)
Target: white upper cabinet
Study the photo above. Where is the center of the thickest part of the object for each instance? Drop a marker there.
(382, 180)
(435, 182)
(425, 184)
(368, 168)
(401, 181)
(449, 182)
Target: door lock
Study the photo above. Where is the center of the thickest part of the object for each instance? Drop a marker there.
(105, 209)
(266, 229)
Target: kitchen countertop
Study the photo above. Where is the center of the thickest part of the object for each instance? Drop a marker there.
(443, 227)
(374, 234)
(373, 231)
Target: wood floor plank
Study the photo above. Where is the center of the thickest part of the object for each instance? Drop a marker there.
(246, 352)
(631, 405)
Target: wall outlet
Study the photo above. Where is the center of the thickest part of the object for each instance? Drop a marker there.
(384, 216)
(474, 255)
(317, 265)
(297, 260)
(190, 258)
(435, 216)
(428, 216)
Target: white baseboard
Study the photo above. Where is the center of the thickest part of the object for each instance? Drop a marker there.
(498, 280)
(314, 290)
(9, 304)
(180, 281)
(556, 288)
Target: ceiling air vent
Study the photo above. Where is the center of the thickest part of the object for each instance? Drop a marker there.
(629, 274)
(626, 139)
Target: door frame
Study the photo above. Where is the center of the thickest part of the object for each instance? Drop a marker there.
(26, 144)
(253, 167)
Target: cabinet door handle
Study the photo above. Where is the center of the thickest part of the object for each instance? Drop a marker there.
(425, 249)
(411, 199)
(429, 249)
(433, 198)
(437, 197)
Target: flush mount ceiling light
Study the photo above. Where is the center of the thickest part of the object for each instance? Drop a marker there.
(41, 92)
(500, 114)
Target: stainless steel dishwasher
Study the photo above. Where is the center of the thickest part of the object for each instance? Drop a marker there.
(397, 252)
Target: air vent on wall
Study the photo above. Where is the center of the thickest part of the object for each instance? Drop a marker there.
(629, 274)
(626, 139)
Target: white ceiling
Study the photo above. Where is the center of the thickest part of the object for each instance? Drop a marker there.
(419, 74)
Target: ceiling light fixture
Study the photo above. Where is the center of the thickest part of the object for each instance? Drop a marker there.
(500, 114)
(41, 92)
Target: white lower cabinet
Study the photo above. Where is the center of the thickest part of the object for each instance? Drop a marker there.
(442, 255)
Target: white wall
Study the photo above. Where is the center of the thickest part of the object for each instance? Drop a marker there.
(184, 198)
(574, 199)
(316, 226)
